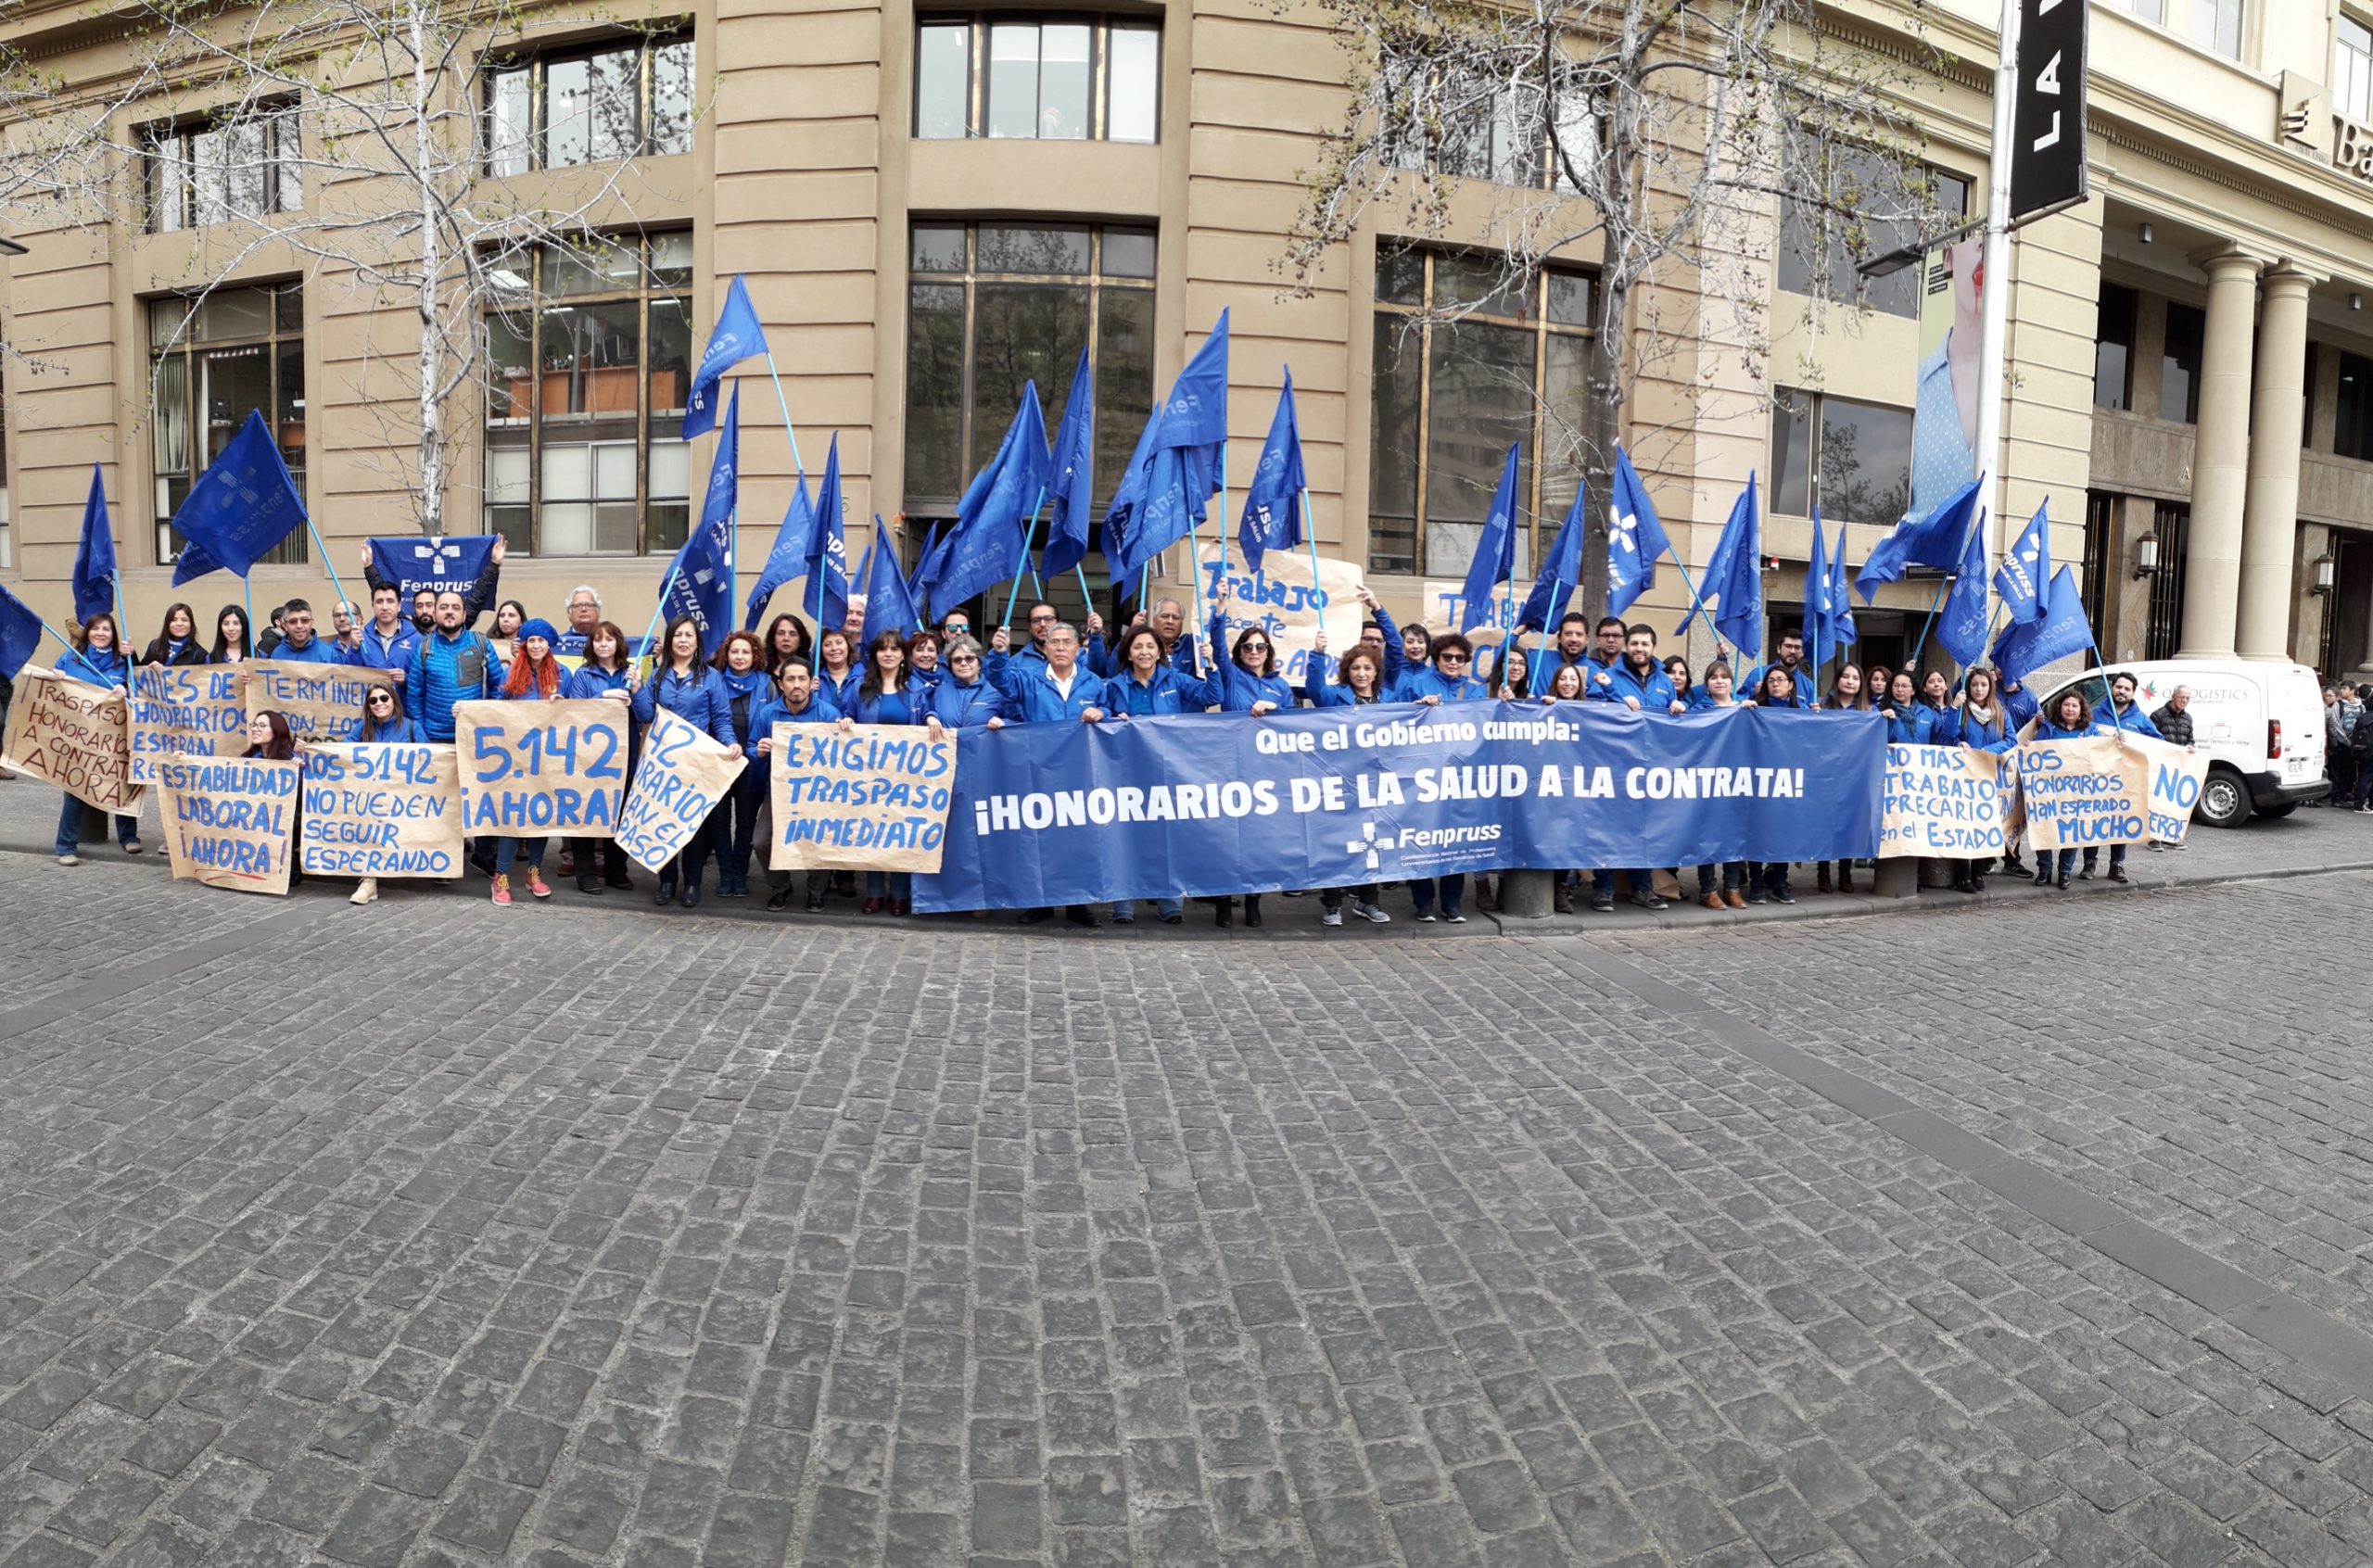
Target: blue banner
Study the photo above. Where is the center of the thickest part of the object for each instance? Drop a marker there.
(1204, 805)
(426, 565)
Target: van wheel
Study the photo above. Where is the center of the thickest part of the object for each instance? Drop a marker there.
(2224, 799)
(2278, 811)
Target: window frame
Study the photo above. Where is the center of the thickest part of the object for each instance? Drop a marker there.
(2358, 105)
(1565, 112)
(1816, 402)
(534, 303)
(189, 347)
(1899, 296)
(2130, 299)
(2198, 338)
(495, 66)
(280, 120)
(1424, 317)
(977, 108)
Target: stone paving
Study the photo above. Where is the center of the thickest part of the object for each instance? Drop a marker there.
(430, 1234)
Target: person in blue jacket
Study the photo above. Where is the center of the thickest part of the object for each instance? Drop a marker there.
(298, 644)
(1911, 722)
(2122, 712)
(924, 668)
(2069, 718)
(1250, 682)
(1769, 880)
(1359, 680)
(231, 645)
(1150, 686)
(964, 699)
(176, 643)
(387, 639)
(1677, 675)
(1444, 677)
(1056, 690)
(605, 670)
(1043, 618)
(838, 673)
(2020, 701)
(733, 821)
(381, 723)
(1792, 659)
(1982, 724)
(689, 689)
(98, 660)
(1638, 682)
(535, 676)
(1936, 695)
(1721, 884)
(794, 700)
(888, 695)
(450, 665)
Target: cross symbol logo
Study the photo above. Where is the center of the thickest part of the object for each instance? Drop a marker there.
(437, 553)
(2029, 554)
(1623, 530)
(704, 575)
(1368, 844)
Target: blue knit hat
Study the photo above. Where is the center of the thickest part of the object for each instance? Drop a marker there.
(536, 627)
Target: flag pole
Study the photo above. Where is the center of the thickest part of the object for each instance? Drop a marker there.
(784, 404)
(1939, 602)
(652, 630)
(1310, 537)
(1020, 557)
(334, 582)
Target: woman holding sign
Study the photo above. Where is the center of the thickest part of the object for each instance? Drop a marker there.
(605, 672)
(887, 695)
(96, 660)
(269, 738)
(176, 641)
(535, 677)
(383, 723)
(2070, 718)
(690, 690)
(734, 819)
(230, 637)
(1846, 695)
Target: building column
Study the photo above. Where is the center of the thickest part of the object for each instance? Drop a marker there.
(2270, 521)
(2212, 564)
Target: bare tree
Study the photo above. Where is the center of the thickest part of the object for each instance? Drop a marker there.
(1688, 140)
(370, 142)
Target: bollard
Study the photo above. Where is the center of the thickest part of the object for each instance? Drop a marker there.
(1526, 895)
(1898, 878)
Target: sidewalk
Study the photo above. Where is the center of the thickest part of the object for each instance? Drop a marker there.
(2312, 839)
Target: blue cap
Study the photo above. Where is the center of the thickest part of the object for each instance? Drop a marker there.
(539, 628)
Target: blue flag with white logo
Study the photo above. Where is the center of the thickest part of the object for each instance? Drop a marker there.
(917, 588)
(2026, 568)
(1734, 577)
(1635, 539)
(888, 606)
(1842, 630)
(19, 633)
(788, 557)
(1961, 627)
(1496, 551)
(828, 557)
(700, 581)
(2063, 629)
(240, 509)
(1167, 490)
(1934, 540)
(1068, 488)
(987, 544)
(737, 337)
(1272, 501)
(94, 556)
(425, 565)
(1561, 569)
(1820, 611)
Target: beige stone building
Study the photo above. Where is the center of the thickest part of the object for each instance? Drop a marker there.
(930, 204)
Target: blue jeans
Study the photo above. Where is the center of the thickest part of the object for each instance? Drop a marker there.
(1422, 891)
(1166, 908)
(70, 827)
(1603, 883)
(890, 884)
(733, 822)
(508, 850)
(2093, 856)
(1733, 873)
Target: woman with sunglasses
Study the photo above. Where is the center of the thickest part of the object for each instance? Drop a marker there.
(98, 658)
(383, 723)
(605, 671)
(1149, 685)
(964, 697)
(1447, 677)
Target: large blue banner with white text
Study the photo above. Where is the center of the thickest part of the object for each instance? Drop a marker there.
(1204, 805)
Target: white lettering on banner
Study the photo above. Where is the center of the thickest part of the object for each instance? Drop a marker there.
(1942, 801)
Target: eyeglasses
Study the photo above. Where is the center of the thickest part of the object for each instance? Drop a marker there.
(963, 658)
(1450, 658)
(1041, 620)
(381, 700)
(1255, 648)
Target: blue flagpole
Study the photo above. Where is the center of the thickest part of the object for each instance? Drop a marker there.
(249, 587)
(1021, 558)
(1145, 587)
(1310, 537)
(652, 630)
(69, 648)
(334, 582)
(1939, 602)
(784, 404)
(1696, 605)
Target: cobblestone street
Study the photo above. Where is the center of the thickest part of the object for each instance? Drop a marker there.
(2029, 1232)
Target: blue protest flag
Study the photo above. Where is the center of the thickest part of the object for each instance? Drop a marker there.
(241, 507)
(1635, 539)
(1068, 491)
(427, 566)
(1843, 631)
(736, 337)
(1561, 570)
(1272, 501)
(1934, 540)
(2028, 646)
(986, 544)
(827, 555)
(1961, 630)
(724, 495)
(19, 633)
(2026, 568)
(1167, 490)
(888, 605)
(787, 557)
(700, 581)
(1821, 612)
(918, 586)
(94, 557)
(1496, 551)
(1734, 577)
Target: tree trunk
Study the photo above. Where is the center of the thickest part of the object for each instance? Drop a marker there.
(1600, 431)
(432, 437)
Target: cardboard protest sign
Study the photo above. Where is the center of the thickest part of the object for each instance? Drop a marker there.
(871, 798)
(230, 823)
(1281, 600)
(681, 775)
(320, 701)
(2176, 773)
(532, 767)
(74, 736)
(2084, 793)
(196, 711)
(1941, 800)
(381, 811)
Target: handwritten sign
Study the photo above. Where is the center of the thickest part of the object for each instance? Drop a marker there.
(1281, 599)
(2176, 773)
(73, 736)
(320, 701)
(1941, 800)
(683, 773)
(196, 711)
(381, 811)
(872, 798)
(2081, 793)
(230, 823)
(530, 768)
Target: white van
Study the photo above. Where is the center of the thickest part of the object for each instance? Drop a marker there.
(2261, 721)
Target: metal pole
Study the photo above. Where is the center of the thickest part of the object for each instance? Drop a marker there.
(1994, 298)
(784, 404)
(334, 582)
(1021, 558)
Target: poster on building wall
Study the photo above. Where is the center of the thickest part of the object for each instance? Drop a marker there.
(1944, 414)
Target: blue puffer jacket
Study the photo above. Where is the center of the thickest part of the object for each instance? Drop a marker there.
(1422, 681)
(697, 699)
(401, 731)
(1029, 687)
(1169, 692)
(961, 706)
(1996, 737)
(319, 651)
(1655, 694)
(445, 670)
(94, 668)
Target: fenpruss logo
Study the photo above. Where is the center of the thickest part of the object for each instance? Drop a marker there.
(1368, 843)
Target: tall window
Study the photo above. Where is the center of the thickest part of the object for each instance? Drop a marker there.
(1852, 460)
(590, 364)
(2214, 25)
(2100, 514)
(2352, 69)
(1481, 129)
(1468, 362)
(1821, 245)
(628, 98)
(1079, 78)
(991, 306)
(2164, 634)
(243, 351)
(2352, 410)
(2113, 348)
(2179, 364)
(193, 176)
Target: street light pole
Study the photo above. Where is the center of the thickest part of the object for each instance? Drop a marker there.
(1994, 293)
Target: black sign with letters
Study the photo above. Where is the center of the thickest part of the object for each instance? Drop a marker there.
(2047, 120)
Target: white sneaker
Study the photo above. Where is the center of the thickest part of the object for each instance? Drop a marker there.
(365, 891)
(70, 860)
(1330, 916)
(1370, 913)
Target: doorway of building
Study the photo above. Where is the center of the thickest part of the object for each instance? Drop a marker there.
(2348, 623)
